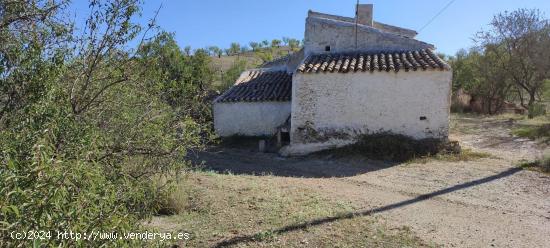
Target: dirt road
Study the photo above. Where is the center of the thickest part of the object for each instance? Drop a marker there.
(487, 202)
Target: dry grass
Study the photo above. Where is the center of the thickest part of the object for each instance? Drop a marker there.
(537, 128)
(215, 208)
(463, 155)
(541, 165)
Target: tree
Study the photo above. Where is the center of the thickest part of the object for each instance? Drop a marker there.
(493, 86)
(480, 72)
(275, 43)
(186, 80)
(522, 38)
(286, 41)
(294, 44)
(187, 50)
(234, 48)
(214, 50)
(89, 124)
(22, 58)
(231, 75)
(265, 43)
(464, 65)
(254, 45)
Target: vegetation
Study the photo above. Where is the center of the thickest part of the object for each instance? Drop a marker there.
(463, 155)
(87, 124)
(536, 129)
(542, 164)
(510, 63)
(399, 148)
(230, 76)
(204, 198)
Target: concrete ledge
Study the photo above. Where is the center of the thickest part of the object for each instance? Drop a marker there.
(305, 149)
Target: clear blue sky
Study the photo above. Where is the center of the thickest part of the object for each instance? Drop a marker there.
(203, 23)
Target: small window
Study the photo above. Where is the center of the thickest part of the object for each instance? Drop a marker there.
(423, 118)
(327, 48)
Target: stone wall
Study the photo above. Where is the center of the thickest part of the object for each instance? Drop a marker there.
(331, 109)
(249, 118)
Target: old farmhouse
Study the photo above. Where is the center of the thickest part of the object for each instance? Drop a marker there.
(353, 76)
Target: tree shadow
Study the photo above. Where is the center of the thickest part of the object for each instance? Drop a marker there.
(249, 162)
(351, 215)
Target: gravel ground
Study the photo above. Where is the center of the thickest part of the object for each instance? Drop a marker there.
(481, 203)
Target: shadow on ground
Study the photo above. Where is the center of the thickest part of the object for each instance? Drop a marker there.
(317, 222)
(244, 161)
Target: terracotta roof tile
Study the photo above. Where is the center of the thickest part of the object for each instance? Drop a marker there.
(258, 86)
(373, 61)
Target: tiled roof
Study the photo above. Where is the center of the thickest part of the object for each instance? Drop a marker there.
(373, 61)
(258, 85)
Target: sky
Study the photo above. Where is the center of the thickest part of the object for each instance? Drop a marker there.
(203, 23)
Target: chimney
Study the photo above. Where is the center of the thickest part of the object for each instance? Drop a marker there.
(364, 14)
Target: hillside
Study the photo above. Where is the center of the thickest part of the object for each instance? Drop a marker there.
(252, 59)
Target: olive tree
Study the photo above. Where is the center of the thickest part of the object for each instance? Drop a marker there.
(522, 38)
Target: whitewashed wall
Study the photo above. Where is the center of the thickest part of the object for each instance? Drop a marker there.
(249, 118)
(340, 36)
(340, 106)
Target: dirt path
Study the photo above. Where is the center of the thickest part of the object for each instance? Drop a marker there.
(488, 202)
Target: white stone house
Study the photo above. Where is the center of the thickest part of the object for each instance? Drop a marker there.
(353, 76)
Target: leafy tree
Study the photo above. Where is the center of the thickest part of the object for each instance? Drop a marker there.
(230, 76)
(523, 37)
(286, 41)
(89, 125)
(234, 48)
(23, 61)
(186, 80)
(187, 50)
(294, 44)
(216, 51)
(464, 66)
(275, 43)
(481, 73)
(494, 86)
(265, 43)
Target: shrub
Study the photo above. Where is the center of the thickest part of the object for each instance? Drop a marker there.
(394, 147)
(86, 133)
(534, 132)
(537, 109)
(544, 163)
(232, 74)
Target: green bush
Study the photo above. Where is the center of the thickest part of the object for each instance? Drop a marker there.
(537, 109)
(232, 74)
(87, 133)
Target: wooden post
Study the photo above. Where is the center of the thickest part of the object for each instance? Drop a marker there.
(279, 139)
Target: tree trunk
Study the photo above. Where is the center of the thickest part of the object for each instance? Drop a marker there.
(530, 104)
